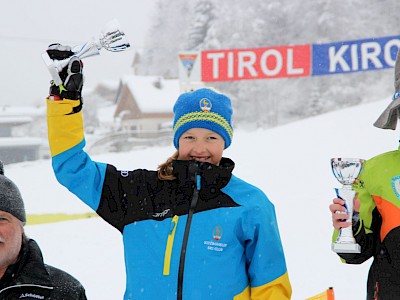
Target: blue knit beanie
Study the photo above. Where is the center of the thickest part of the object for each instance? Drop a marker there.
(203, 108)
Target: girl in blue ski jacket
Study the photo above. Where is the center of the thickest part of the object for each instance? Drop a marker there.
(191, 230)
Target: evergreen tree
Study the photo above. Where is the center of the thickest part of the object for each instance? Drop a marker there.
(166, 38)
(203, 16)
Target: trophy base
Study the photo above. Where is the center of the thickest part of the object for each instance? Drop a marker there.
(346, 248)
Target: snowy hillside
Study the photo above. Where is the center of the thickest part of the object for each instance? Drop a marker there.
(290, 163)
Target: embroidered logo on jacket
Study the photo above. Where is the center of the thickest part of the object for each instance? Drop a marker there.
(217, 233)
(161, 214)
(396, 185)
(216, 245)
(124, 173)
(30, 295)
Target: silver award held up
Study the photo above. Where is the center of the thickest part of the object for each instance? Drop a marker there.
(111, 38)
(346, 171)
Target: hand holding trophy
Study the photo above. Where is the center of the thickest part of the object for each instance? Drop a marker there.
(111, 38)
(346, 171)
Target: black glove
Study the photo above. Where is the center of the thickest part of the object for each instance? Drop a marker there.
(71, 75)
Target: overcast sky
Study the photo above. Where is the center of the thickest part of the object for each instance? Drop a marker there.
(28, 27)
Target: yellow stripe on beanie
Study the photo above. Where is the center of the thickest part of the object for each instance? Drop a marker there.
(204, 116)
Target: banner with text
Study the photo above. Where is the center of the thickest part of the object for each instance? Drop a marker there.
(299, 60)
(256, 63)
(355, 56)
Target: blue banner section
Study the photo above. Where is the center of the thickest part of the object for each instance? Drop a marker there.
(354, 56)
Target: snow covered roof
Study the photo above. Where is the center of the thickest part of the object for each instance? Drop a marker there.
(104, 84)
(111, 84)
(19, 142)
(14, 120)
(8, 110)
(149, 97)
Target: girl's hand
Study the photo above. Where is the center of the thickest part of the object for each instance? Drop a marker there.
(339, 215)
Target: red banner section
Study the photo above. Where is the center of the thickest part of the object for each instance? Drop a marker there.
(256, 63)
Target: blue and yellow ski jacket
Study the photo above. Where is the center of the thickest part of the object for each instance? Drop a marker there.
(204, 235)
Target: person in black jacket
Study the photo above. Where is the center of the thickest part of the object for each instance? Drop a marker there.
(23, 274)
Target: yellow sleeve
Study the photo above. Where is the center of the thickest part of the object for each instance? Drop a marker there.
(278, 289)
(65, 129)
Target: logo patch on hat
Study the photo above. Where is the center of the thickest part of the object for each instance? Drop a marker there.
(205, 104)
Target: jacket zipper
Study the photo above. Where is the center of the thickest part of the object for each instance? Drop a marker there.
(170, 243)
(192, 208)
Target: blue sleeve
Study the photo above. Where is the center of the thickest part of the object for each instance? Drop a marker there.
(264, 251)
(266, 265)
(75, 170)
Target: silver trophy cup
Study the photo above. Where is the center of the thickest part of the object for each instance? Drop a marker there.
(111, 38)
(346, 171)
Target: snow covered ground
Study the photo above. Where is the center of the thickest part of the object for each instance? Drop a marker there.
(290, 163)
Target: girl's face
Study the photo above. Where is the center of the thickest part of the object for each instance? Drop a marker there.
(201, 145)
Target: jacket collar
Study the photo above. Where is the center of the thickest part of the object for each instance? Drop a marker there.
(213, 177)
(29, 269)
